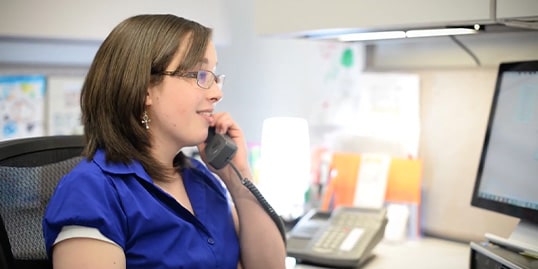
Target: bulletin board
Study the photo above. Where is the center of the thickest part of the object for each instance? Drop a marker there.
(38, 105)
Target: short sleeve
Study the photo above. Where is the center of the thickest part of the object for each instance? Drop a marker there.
(85, 197)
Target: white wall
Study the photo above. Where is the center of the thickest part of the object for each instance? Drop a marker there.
(67, 33)
(266, 76)
(93, 20)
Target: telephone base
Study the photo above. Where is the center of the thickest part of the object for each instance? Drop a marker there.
(343, 238)
(362, 262)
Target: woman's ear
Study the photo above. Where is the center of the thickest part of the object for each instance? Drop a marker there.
(148, 101)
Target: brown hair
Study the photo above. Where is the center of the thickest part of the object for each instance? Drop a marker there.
(114, 91)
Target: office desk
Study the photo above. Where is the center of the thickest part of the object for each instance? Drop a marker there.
(425, 253)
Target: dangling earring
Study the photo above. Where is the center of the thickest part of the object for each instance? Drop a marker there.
(146, 120)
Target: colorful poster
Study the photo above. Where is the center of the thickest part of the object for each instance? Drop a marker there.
(22, 101)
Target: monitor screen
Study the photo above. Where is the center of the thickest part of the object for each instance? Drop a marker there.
(507, 178)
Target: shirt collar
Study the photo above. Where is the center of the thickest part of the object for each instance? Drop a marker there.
(134, 167)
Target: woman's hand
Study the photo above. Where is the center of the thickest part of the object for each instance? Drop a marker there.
(224, 124)
(261, 244)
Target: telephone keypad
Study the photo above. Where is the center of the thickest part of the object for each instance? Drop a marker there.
(333, 239)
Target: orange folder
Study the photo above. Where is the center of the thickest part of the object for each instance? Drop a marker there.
(403, 186)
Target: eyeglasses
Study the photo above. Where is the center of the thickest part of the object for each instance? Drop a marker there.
(204, 78)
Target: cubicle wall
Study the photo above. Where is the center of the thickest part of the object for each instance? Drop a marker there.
(455, 108)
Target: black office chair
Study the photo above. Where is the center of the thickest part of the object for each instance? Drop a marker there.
(30, 169)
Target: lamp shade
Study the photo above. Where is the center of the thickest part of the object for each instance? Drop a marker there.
(284, 174)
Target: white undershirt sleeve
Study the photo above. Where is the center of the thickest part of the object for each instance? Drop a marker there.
(76, 231)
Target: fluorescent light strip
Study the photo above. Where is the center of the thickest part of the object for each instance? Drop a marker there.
(372, 36)
(439, 32)
(403, 34)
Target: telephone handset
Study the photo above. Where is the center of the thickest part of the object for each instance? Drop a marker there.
(219, 151)
(343, 238)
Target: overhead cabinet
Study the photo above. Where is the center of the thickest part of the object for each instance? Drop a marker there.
(277, 17)
(510, 9)
(521, 13)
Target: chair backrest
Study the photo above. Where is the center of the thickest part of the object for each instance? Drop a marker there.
(30, 169)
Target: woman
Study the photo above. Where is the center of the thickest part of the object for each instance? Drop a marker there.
(136, 201)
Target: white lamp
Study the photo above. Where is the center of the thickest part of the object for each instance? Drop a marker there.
(285, 164)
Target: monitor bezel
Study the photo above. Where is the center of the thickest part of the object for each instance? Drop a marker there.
(526, 214)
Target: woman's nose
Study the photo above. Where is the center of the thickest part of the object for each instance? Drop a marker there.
(215, 94)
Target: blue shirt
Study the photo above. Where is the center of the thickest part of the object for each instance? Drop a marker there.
(153, 229)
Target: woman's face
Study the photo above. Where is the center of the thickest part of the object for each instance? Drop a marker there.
(181, 111)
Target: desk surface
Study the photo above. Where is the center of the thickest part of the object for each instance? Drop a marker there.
(425, 253)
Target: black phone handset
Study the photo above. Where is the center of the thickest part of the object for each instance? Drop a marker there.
(219, 151)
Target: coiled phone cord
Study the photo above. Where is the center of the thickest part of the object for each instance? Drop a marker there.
(266, 206)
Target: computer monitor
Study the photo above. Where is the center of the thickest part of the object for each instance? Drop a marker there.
(507, 178)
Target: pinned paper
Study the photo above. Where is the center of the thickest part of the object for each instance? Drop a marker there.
(372, 181)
